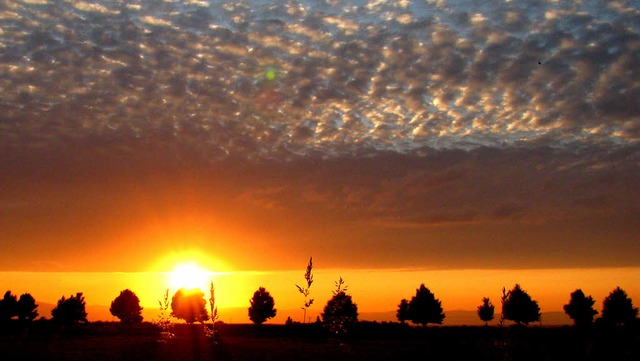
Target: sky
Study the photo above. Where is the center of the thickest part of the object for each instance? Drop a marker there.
(373, 135)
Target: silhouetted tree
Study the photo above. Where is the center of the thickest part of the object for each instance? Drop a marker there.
(340, 312)
(305, 290)
(617, 308)
(486, 311)
(424, 308)
(517, 306)
(8, 307)
(189, 306)
(403, 311)
(580, 308)
(126, 307)
(70, 310)
(27, 308)
(261, 306)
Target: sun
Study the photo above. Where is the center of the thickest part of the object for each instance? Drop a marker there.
(189, 276)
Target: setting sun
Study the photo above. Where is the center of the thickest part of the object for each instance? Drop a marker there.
(189, 276)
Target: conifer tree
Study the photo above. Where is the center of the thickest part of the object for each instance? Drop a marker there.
(486, 311)
(424, 308)
(517, 306)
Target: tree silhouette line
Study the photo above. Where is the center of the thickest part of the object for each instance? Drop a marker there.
(338, 315)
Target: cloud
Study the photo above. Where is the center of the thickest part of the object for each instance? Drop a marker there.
(483, 74)
(439, 206)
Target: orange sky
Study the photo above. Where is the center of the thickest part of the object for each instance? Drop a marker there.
(375, 291)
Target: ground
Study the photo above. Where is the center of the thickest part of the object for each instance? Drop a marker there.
(367, 341)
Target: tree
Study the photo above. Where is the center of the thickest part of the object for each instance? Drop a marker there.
(189, 306)
(261, 306)
(305, 290)
(580, 308)
(403, 311)
(424, 308)
(126, 307)
(518, 306)
(617, 308)
(486, 310)
(340, 312)
(70, 310)
(27, 308)
(8, 307)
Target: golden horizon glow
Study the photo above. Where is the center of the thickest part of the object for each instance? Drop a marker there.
(376, 291)
(189, 276)
(189, 269)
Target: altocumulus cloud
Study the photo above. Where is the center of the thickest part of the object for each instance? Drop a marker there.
(350, 75)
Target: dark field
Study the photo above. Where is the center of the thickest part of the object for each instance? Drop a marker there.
(368, 341)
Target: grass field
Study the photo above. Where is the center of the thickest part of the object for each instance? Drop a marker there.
(367, 341)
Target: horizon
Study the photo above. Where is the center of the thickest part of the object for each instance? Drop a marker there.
(233, 290)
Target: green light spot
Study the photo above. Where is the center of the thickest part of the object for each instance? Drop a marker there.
(270, 75)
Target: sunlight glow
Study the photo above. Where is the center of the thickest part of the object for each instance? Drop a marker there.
(189, 276)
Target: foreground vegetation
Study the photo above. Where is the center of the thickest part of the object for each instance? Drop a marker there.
(45, 340)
